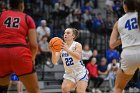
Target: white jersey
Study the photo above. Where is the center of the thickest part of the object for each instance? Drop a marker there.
(71, 64)
(129, 30)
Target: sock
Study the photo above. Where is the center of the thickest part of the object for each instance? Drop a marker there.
(20, 92)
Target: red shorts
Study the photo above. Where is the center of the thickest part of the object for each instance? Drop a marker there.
(15, 59)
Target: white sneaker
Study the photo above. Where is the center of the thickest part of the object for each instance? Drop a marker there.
(93, 90)
(136, 89)
(98, 91)
(131, 89)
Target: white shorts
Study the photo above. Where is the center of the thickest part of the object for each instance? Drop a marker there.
(75, 77)
(130, 60)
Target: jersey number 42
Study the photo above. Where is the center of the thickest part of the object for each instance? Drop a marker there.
(12, 22)
(131, 24)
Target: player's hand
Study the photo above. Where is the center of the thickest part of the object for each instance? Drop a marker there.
(65, 47)
(51, 49)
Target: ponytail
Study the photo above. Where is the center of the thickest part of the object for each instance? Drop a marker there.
(137, 8)
(75, 32)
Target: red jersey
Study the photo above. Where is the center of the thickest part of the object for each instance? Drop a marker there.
(14, 27)
(92, 69)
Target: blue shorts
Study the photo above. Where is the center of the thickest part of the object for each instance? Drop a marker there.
(14, 77)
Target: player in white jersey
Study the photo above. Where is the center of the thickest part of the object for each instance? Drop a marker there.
(126, 31)
(76, 75)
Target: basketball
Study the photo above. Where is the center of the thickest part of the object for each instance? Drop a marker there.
(55, 44)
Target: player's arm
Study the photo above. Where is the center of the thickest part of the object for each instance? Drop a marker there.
(55, 56)
(33, 43)
(114, 39)
(77, 53)
(32, 38)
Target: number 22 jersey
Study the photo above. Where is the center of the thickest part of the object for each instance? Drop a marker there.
(71, 64)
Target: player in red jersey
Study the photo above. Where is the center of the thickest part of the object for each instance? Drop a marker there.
(16, 55)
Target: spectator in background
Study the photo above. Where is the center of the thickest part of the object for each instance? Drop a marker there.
(112, 69)
(78, 3)
(76, 19)
(116, 8)
(87, 18)
(99, 24)
(109, 24)
(96, 55)
(44, 50)
(102, 68)
(2, 6)
(43, 30)
(86, 54)
(111, 54)
(86, 6)
(95, 3)
(93, 75)
(109, 4)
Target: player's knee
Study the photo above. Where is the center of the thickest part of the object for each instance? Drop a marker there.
(3, 89)
(79, 90)
(65, 88)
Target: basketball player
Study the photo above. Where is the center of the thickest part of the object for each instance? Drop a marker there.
(16, 55)
(75, 72)
(127, 27)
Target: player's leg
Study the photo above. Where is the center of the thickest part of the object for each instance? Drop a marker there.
(24, 69)
(30, 82)
(19, 87)
(82, 82)
(81, 86)
(121, 81)
(67, 85)
(4, 82)
(129, 64)
(4, 70)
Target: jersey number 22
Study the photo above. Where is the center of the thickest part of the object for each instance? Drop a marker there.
(69, 61)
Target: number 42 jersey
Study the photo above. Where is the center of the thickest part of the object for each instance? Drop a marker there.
(129, 30)
(71, 64)
(14, 27)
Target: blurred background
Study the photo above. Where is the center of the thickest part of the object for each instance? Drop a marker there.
(95, 20)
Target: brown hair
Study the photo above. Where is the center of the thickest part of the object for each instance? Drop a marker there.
(133, 5)
(75, 32)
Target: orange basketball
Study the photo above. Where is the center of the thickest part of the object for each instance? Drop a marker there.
(56, 43)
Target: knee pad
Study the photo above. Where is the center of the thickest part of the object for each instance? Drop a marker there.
(3, 89)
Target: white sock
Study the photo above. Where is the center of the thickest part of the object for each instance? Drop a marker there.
(20, 92)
